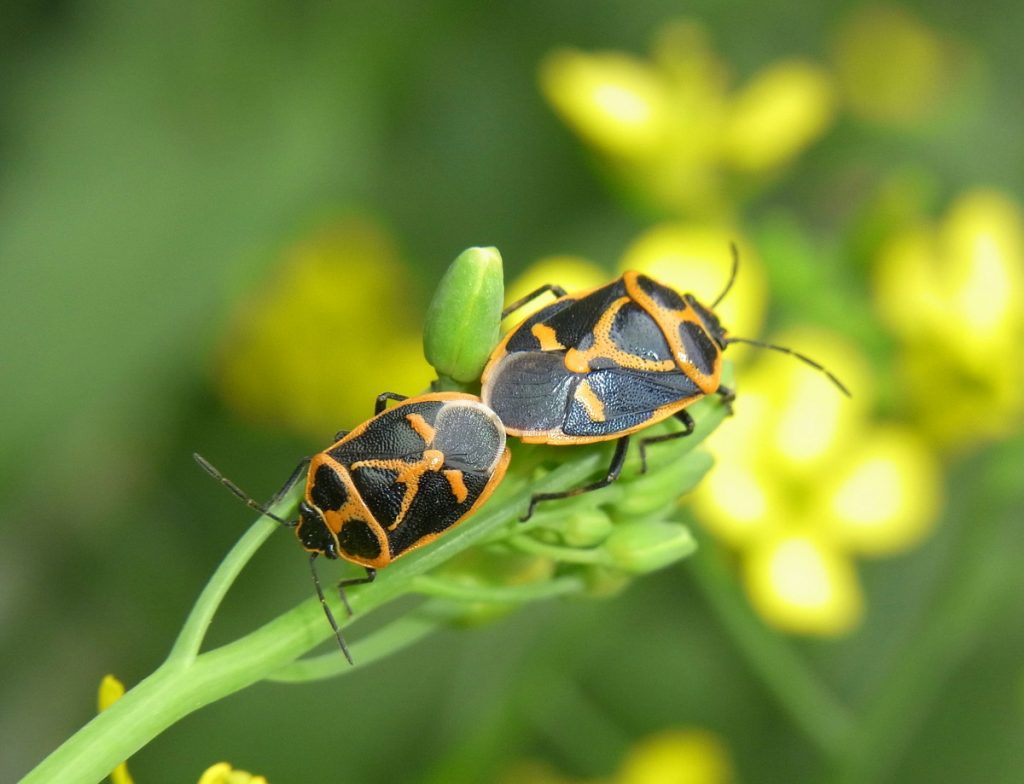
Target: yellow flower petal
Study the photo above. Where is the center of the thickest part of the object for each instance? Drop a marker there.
(954, 293)
(888, 497)
(682, 756)
(892, 67)
(737, 504)
(801, 584)
(811, 420)
(785, 108)
(983, 239)
(223, 773)
(616, 102)
(110, 691)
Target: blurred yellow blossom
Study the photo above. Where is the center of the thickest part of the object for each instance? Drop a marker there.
(685, 755)
(891, 67)
(805, 481)
(110, 691)
(677, 756)
(223, 773)
(670, 126)
(954, 295)
(335, 326)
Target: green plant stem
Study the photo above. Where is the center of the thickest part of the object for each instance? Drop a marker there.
(498, 594)
(528, 544)
(189, 679)
(813, 708)
(187, 682)
(399, 634)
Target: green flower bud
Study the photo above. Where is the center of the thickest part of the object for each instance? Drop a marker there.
(603, 583)
(647, 545)
(586, 528)
(464, 317)
(662, 485)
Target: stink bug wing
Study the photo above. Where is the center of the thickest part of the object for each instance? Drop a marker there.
(570, 320)
(471, 438)
(574, 325)
(390, 434)
(617, 401)
(530, 391)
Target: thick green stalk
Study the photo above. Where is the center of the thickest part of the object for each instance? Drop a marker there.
(807, 700)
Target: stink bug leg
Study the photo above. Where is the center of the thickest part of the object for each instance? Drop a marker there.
(558, 291)
(614, 469)
(384, 397)
(371, 575)
(688, 426)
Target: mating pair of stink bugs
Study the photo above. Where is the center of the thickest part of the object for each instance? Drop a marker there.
(592, 366)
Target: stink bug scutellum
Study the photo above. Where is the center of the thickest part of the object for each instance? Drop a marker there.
(604, 363)
(394, 483)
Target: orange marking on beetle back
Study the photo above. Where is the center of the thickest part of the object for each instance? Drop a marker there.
(457, 483)
(546, 337)
(591, 402)
(576, 361)
(419, 424)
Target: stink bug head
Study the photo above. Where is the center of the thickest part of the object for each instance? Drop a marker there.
(313, 533)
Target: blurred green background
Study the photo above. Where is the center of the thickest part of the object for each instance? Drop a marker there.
(162, 164)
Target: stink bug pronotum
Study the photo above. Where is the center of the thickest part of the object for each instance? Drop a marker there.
(605, 363)
(394, 483)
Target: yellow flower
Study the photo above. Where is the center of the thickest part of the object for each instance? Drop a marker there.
(672, 756)
(670, 126)
(892, 68)
(677, 756)
(954, 295)
(223, 773)
(111, 690)
(332, 330)
(804, 482)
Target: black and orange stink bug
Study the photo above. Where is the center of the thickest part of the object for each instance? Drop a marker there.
(605, 363)
(394, 483)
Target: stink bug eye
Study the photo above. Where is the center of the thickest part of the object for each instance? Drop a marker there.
(392, 484)
(602, 364)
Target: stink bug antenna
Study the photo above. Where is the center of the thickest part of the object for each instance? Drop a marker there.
(732, 275)
(802, 357)
(235, 489)
(327, 610)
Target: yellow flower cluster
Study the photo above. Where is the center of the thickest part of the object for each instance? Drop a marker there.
(953, 293)
(671, 127)
(672, 756)
(804, 481)
(298, 352)
(223, 773)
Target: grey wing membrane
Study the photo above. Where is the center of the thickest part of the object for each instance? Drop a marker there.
(629, 398)
(531, 391)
